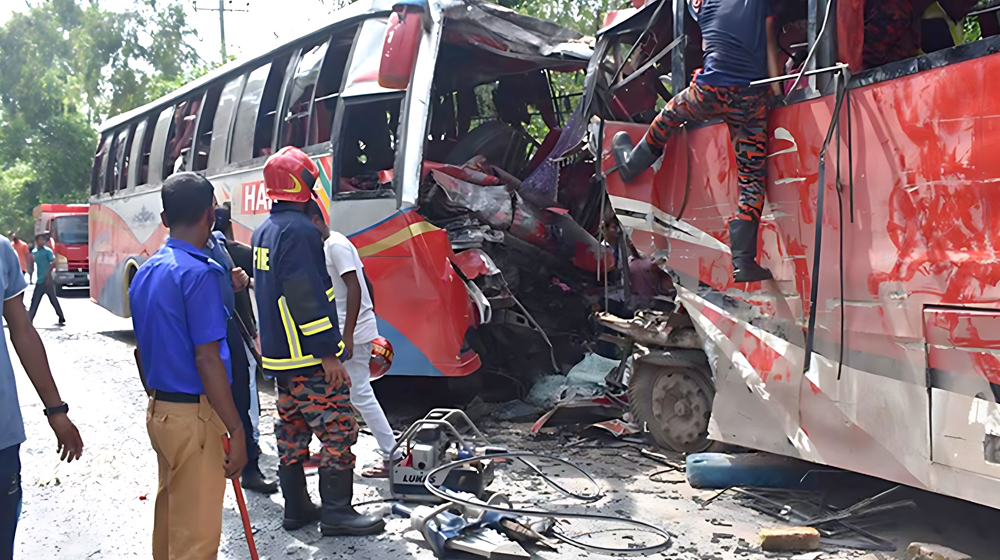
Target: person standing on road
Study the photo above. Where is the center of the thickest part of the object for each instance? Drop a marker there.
(357, 315)
(242, 255)
(31, 352)
(45, 284)
(179, 318)
(23, 254)
(301, 346)
(232, 292)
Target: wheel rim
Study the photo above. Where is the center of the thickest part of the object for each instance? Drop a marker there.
(681, 408)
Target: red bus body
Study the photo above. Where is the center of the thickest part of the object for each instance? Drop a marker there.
(913, 399)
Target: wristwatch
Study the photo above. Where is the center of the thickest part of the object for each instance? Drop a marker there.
(60, 409)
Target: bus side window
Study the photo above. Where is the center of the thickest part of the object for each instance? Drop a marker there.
(140, 151)
(180, 137)
(125, 159)
(246, 116)
(301, 87)
(331, 77)
(164, 125)
(223, 123)
(100, 165)
(117, 161)
(107, 183)
(368, 142)
(203, 137)
(267, 112)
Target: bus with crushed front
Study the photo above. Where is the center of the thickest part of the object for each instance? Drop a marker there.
(381, 96)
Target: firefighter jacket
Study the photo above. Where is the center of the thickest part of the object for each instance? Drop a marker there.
(298, 315)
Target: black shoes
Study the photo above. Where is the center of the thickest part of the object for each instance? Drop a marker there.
(743, 241)
(299, 508)
(253, 479)
(336, 488)
(631, 160)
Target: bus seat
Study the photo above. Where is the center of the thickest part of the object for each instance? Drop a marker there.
(501, 144)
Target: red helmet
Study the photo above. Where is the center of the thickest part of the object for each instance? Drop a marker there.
(290, 175)
(381, 357)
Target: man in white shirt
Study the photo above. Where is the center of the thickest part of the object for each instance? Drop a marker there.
(356, 315)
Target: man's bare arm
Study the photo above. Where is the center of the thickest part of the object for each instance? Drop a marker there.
(773, 52)
(353, 307)
(31, 352)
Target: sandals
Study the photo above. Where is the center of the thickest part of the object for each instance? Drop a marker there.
(383, 470)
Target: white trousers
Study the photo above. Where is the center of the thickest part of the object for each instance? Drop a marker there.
(363, 398)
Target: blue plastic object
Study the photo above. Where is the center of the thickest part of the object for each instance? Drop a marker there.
(756, 470)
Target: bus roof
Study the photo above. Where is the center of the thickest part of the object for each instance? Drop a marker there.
(557, 42)
(361, 9)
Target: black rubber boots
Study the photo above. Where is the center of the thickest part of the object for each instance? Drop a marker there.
(336, 488)
(743, 241)
(299, 509)
(631, 160)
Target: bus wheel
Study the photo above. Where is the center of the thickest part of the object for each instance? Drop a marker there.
(675, 404)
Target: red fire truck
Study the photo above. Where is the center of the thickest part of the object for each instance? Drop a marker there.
(68, 226)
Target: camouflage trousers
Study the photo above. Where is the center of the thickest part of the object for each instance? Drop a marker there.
(744, 109)
(308, 405)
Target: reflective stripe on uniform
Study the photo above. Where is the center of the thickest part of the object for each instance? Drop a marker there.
(329, 294)
(286, 320)
(281, 364)
(316, 327)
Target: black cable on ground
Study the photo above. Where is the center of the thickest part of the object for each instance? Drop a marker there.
(437, 473)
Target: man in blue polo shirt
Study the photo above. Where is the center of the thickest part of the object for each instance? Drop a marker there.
(180, 326)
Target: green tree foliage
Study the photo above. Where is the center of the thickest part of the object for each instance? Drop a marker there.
(585, 16)
(66, 65)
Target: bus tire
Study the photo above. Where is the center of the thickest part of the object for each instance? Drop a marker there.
(675, 404)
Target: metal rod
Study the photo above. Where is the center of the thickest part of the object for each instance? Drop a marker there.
(222, 29)
(835, 68)
(649, 64)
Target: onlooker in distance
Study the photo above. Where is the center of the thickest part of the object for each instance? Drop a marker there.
(45, 284)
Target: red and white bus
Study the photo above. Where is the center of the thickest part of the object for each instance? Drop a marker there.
(322, 93)
(877, 347)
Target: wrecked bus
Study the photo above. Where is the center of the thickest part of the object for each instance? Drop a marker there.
(383, 97)
(875, 349)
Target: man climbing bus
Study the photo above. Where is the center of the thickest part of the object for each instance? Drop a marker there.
(741, 45)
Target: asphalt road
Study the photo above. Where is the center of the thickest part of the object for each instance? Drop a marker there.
(102, 506)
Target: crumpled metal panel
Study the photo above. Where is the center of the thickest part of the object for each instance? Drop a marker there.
(923, 232)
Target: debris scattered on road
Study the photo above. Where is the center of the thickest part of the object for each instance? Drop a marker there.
(926, 551)
(789, 539)
(843, 527)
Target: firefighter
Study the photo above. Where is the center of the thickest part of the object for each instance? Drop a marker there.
(301, 346)
(741, 45)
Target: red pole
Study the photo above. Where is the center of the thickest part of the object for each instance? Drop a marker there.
(243, 507)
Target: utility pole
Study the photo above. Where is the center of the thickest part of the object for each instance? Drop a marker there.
(222, 9)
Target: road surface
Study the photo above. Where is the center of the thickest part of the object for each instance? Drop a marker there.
(102, 506)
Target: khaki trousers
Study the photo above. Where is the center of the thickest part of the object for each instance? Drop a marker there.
(187, 439)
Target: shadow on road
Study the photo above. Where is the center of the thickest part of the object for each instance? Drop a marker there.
(126, 336)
